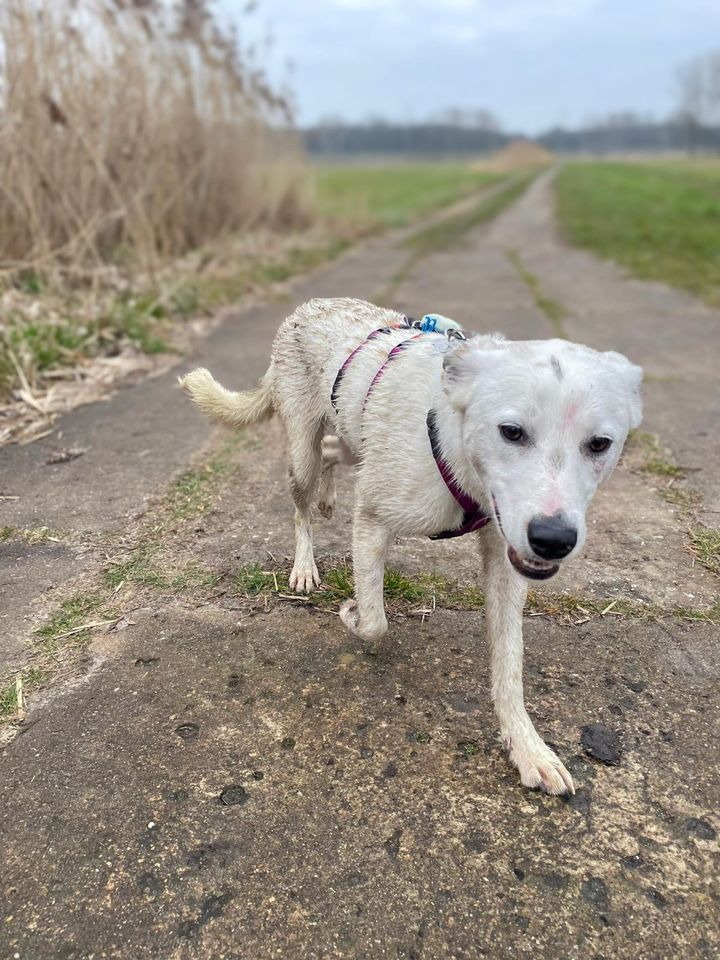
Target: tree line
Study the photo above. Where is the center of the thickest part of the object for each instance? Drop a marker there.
(693, 126)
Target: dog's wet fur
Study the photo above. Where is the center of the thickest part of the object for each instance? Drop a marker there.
(528, 428)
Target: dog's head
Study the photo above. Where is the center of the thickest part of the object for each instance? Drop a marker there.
(544, 423)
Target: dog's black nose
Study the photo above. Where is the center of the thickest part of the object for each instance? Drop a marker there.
(551, 538)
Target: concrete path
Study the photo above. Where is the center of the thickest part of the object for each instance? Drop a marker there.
(231, 775)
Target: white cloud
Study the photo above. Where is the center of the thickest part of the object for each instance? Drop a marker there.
(485, 17)
(534, 62)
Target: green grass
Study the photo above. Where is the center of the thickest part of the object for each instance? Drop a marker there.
(553, 310)
(337, 585)
(8, 700)
(452, 230)
(141, 568)
(655, 460)
(72, 615)
(423, 592)
(72, 623)
(662, 468)
(69, 627)
(31, 678)
(704, 170)
(705, 545)
(138, 568)
(31, 535)
(392, 196)
(660, 221)
(193, 577)
(212, 290)
(253, 580)
(656, 463)
(399, 587)
(67, 336)
(191, 494)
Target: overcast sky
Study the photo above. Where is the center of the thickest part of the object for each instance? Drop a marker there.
(534, 63)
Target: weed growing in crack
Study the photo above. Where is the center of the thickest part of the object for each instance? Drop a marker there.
(705, 546)
(138, 568)
(553, 310)
(662, 468)
(68, 623)
(9, 706)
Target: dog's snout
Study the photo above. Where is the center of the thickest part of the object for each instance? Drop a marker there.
(551, 538)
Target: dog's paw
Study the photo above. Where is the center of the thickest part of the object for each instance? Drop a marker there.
(326, 503)
(304, 579)
(539, 767)
(351, 618)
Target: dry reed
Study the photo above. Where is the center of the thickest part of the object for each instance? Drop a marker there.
(131, 132)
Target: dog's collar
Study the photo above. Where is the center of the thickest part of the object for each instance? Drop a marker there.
(474, 517)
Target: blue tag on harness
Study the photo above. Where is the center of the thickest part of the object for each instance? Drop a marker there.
(437, 323)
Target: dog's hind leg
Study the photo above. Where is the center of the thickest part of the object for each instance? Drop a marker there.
(330, 458)
(365, 615)
(327, 492)
(334, 452)
(505, 594)
(305, 462)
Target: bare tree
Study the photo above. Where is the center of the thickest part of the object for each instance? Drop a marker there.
(699, 82)
(476, 119)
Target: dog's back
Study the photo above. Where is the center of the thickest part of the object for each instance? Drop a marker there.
(308, 350)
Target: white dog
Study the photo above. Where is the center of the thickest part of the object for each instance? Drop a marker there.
(450, 436)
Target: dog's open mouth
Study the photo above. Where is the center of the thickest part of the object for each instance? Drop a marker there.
(533, 569)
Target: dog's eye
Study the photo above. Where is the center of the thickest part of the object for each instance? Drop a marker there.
(597, 445)
(512, 432)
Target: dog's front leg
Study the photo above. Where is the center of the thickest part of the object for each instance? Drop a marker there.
(365, 615)
(505, 595)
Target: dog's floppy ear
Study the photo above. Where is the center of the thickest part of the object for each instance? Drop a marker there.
(631, 379)
(463, 363)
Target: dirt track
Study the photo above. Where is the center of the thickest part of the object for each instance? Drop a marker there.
(378, 816)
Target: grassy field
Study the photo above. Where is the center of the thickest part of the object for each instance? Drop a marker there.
(660, 220)
(392, 196)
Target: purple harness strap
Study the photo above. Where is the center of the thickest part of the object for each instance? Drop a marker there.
(473, 516)
(341, 372)
(397, 349)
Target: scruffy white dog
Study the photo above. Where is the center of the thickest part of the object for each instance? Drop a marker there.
(450, 436)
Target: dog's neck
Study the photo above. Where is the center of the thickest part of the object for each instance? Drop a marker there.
(449, 422)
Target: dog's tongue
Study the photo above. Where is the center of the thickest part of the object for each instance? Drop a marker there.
(534, 573)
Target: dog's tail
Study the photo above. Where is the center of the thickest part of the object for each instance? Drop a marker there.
(227, 406)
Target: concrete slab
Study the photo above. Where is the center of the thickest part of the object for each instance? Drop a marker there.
(371, 811)
(28, 576)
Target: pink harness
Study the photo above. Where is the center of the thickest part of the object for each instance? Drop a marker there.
(474, 517)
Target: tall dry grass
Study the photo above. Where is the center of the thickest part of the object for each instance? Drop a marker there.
(132, 131)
